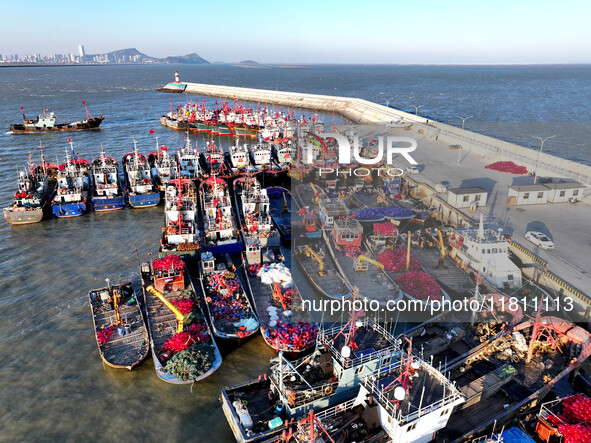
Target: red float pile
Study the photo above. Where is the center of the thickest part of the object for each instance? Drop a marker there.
(253, 270)
(169, 263)
(197, 333)
(385, 229)
(574, 421)
(395, 261)
(350, 251)
(419, 285)
(507, 167)
(292, 336)
(104, 335)
(184, 305)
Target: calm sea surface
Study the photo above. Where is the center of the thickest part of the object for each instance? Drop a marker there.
(52, 383)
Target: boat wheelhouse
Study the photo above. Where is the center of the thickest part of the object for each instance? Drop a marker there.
(164, 167)
(188, 161)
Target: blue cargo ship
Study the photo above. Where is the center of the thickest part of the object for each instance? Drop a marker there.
(107, 193)
(142, 192)
(73, 186)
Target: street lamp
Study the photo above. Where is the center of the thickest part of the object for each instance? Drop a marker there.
(464, 120)
(538, 160)
(388, 101)
(417, 108)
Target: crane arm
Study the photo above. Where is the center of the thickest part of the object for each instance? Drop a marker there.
(310, 253)
(441, 245)
(363, 258)
(179, 317)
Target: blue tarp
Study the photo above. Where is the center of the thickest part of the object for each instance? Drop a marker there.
(515, 435)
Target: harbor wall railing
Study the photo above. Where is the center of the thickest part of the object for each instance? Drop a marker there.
(363, 111)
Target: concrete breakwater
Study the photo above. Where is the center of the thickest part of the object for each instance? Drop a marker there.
(363, 111)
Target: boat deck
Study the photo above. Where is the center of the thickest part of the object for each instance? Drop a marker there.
(373, 284)
(366, 339)
(330, 282)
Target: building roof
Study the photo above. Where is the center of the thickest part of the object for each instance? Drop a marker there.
(569, 185)
(471, 190)
(529, 188)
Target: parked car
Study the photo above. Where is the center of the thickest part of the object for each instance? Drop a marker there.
(413, 169)
(539, 239)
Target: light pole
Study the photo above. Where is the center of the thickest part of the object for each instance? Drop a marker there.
(417, 108)
(388, 101)
(538, 160)
(464, 120)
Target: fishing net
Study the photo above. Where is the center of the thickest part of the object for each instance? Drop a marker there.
(191, 362)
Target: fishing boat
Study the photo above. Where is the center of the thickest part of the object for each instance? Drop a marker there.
(405, 401)
(180, 235)
(35, 189)
(73, 186)
(331, 210)
(257, 410)
(121, 335)
(280, 210)
(213, 158)
(239, 160)
(107, 194)
(252, 205)
(183, 348)
(513, 373)
(220, 230)
(284, 153)
(319, 269)
(230, 311)
(260, 154)
(487, 253)
(164, 167)
(285, 326)
(345, 247)
(141, 190)
(46, 121)
(188, 161)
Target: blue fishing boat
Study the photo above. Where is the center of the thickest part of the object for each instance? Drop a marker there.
(220, 231)
(141, 189)
(107, 194)
(73, 186)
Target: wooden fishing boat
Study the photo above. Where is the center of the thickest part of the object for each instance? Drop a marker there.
(285, 326)
(120, 331)
(46, 121)
(230, 311)
(183, 348)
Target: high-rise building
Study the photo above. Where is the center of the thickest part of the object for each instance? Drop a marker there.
(81, 51)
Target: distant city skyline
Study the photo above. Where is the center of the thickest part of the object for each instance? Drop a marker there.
(428, 31)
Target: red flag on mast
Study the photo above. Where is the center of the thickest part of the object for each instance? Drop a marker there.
(83, 102)
(152, 131)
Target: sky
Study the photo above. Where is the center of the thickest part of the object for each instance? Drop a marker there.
(428, 31)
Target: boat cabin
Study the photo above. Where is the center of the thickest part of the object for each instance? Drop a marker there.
(347, 232)
(329, 210)
(168, 278)
(207, 262)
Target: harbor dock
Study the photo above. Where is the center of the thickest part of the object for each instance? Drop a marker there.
(564, 269)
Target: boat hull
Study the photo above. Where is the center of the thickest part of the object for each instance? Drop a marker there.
(144, 200)
(24, 217)
(102, 204)
(69, 209)
(92, 123)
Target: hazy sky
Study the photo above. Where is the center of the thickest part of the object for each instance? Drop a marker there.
(430, 31)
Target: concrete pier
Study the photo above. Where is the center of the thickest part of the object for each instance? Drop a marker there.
(363, 111)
